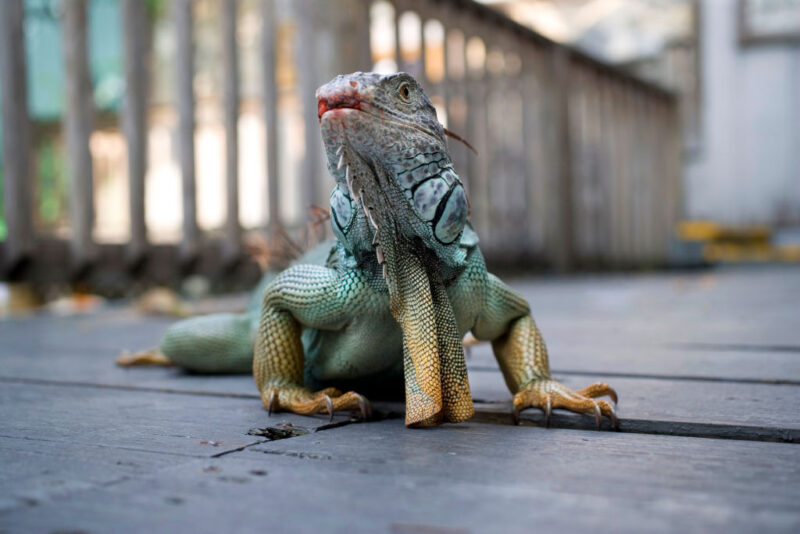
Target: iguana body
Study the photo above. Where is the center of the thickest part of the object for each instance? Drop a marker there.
(388, 302)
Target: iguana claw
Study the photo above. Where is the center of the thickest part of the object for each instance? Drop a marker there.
(273, 399)
(329, 404)
(303, 401)
(548, 394)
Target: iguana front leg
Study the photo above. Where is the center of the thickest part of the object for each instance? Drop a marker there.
(522, 355)
(304, 295)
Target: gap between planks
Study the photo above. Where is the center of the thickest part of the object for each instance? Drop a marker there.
(495, 412)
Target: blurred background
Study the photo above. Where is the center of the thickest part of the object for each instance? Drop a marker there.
(151, 142)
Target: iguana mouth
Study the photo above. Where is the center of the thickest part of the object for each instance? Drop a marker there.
(344, 101)
(352, 99)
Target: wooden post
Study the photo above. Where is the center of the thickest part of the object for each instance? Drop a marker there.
(310, 168)
(134, 119)
(562, 248)
(530, 140)
(77, 124)
(398, 52)
(230, 97)
(184, 66)
(270, 91)
(422, 69)
(350, 35)
(17, 205)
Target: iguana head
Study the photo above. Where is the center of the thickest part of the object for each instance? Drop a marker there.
(388, 153)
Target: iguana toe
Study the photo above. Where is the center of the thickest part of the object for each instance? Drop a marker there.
(548, 395)
(304, 401)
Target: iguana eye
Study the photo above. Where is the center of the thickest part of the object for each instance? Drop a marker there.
(404, 91)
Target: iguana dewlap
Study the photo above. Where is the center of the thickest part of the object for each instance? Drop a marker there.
(390, 300)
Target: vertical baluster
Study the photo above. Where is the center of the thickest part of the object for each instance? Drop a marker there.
(477, 128)
(270, 91)
(398, 51)
(184, 65)
(529, 140)
(134, 119)
(17, 204)
(77, 124)
(423, 17)
(562, 246)
(230, 105)
(310, 168)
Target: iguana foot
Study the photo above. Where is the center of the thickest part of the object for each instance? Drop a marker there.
(306, 402)
(146, 357)
(548, 395)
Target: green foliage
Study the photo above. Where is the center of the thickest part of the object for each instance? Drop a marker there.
(156, 8)
(50, 166)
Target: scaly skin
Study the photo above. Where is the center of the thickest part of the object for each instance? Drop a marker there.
(391, 299)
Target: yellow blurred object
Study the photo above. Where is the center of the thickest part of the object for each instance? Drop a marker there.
(697, 230)
(736, 244)
(17, 299)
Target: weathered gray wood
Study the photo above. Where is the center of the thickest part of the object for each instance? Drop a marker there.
(136, 37)
(270, 105)
(230, 105)
(145, 421)
(464, 478)
(38, 470)
(719, 409)
(306, 13)
(424, 16)
(398, 41)
(563, 248)
(17, 200)
(77, 431)
(184, 86)
(77, 124)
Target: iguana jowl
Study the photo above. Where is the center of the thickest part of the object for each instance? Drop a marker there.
(391, 299)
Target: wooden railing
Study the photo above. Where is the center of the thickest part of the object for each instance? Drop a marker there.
(578, 164)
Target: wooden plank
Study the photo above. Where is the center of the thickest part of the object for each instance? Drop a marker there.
(82, 349)
(144, 421)
(661, 385)
(664, 406)
(270, 104)
(690, 364)
(37, 471)
(17, 200)
(134, 119)
(230, 107)
(480, 477)
(77, 125)
(184, 86)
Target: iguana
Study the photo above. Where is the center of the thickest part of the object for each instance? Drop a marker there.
(389, 301)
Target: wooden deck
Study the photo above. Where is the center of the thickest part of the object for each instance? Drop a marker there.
(707, 366)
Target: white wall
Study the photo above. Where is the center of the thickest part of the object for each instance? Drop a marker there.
(747, 169)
